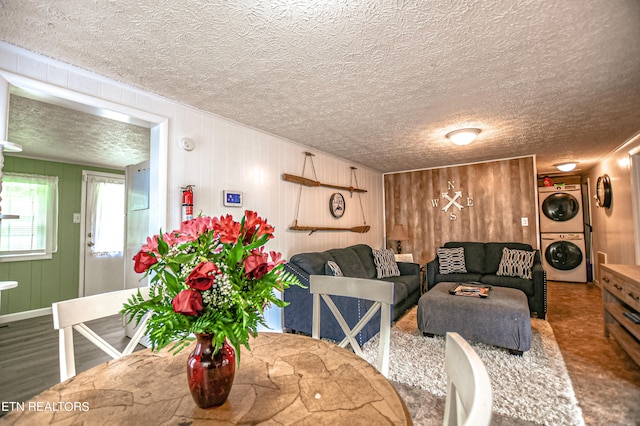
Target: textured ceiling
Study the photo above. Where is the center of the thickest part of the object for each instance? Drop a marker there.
(376, 82)
(62, 134)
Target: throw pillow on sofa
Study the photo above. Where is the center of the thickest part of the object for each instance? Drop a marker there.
(332, 268)
(386, 265)
(516, 263)
(451, 260)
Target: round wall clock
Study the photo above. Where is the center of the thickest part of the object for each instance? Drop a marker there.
(603, 192)
(336, 205)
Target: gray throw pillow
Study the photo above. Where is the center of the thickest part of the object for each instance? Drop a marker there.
(516, 263)
(451, 260)
(386, 265)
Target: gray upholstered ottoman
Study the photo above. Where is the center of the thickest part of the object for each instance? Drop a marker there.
(502, 319)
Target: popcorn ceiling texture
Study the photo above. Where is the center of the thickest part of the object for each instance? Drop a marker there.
(375, 82)
(62, 134)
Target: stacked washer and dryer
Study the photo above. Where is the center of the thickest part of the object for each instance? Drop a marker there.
(562, 233)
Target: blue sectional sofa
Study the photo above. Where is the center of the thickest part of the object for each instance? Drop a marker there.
(355, 261)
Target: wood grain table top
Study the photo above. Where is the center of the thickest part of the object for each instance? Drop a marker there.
(284, 379)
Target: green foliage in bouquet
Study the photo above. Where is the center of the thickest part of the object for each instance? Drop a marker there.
(211, 276)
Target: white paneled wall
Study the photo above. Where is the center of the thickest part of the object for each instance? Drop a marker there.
(228, 155)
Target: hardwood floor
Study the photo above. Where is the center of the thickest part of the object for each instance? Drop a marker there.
(29, 361)
(606, 381)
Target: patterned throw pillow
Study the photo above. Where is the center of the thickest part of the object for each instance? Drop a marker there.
(451, 260)
(516, 263)
(332, 268)
(386, 265)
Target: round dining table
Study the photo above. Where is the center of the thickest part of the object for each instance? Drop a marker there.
(284, 379)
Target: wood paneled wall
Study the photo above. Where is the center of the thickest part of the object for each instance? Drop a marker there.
(491, 199)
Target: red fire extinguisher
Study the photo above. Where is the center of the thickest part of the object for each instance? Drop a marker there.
(187, 203)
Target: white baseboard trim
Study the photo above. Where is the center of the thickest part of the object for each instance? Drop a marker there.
(25, 315)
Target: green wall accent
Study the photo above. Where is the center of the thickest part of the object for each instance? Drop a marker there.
(42, 282)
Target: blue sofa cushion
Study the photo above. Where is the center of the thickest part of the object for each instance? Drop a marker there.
(409, 283)
(349, 262)
(365, 254)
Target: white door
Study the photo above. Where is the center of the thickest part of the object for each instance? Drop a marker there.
(103, 233)
(137, 227)
(137, 219)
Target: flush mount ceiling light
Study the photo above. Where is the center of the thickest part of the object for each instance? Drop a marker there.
(566, 167)
(463, 136)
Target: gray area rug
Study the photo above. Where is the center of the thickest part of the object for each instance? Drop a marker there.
(534, 388)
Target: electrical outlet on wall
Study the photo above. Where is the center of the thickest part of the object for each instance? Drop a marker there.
(76, 218)
(525, 221)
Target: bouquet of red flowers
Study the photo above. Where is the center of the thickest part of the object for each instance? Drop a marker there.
(211, 276)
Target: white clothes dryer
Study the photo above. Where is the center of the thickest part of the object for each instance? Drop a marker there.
(561, 208)
(564, 257)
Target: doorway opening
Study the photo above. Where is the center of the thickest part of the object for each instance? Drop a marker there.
(158, 129)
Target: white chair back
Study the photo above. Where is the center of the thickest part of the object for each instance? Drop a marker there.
(380, 292)
(72, 314)
(469, 396)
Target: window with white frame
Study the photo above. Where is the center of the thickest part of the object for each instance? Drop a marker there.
(35, 234)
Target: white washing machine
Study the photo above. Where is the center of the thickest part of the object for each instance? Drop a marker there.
(561, 208)
(564, 257)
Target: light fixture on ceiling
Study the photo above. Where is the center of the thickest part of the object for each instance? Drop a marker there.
(463, 136)
(566, 167)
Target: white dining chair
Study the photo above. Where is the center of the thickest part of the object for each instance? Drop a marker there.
(6, 285)
(380, 292)
(70, 315)
(469, 396)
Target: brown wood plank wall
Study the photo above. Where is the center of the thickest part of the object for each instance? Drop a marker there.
(494, 197)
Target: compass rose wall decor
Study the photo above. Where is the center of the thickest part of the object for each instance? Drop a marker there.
(452, 202)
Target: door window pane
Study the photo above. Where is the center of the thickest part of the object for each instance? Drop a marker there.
(108, 217)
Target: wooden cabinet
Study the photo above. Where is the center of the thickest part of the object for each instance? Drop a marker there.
(620, 294)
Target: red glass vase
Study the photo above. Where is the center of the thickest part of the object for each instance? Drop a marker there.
(210, 375)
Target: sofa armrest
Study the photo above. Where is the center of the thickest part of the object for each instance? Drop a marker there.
(408, 268)
(433, 268)
(298, 272)
(540, 289)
